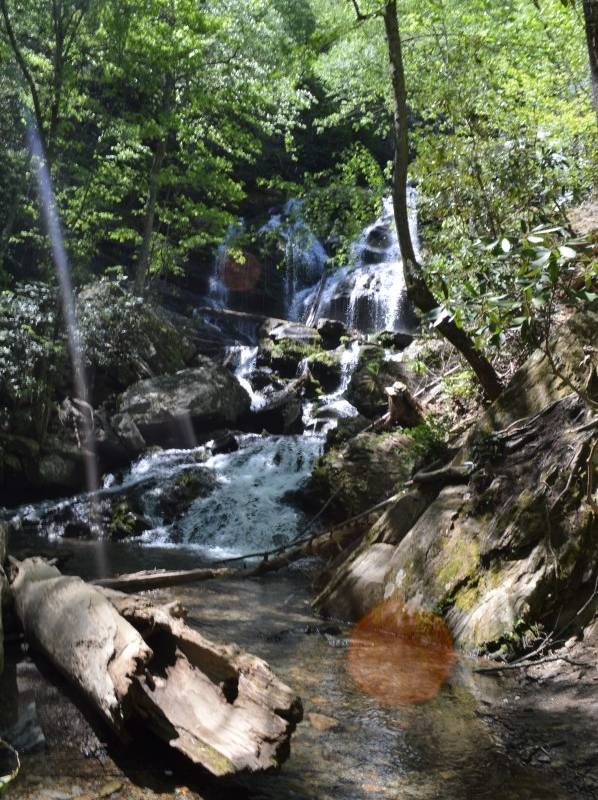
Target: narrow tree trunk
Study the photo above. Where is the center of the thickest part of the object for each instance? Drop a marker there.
(150, 213)
(590, 10)
(417, 289)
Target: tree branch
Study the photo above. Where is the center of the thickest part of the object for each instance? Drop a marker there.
(25, 71)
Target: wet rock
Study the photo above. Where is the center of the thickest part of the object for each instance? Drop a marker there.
(322, 723)
(331, 332)
(325, 366)
(396, 340)
(282, 414)
(366, 390)
(124, 523)
(291, 331)
(171, 409)
(224, 443)
(284, 355)
(178, 495)
(128, 434)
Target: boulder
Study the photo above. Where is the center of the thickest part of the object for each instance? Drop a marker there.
(361, 472)
(224, 442)
(325, 366)
(373, 373)
(331, 332)
(127, 338)
(179, 494)
(171, 409)
(395, 340)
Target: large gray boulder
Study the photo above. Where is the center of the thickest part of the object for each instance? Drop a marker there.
(170, 410)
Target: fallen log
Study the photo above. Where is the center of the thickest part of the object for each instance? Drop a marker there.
(137, 661)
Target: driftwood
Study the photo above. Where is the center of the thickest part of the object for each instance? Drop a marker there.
(328, 543)
(134, 660)
(444, 476)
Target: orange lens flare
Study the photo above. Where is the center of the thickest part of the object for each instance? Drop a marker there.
(241, 274)
(400, 657)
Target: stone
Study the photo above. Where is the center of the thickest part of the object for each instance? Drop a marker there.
(128, 433)
(171, 409)
(504, 553)
(178, 495)
(224, 443)
(362, 471)
(325, 366)
(153, 345)
(373, 373)
(331, 331)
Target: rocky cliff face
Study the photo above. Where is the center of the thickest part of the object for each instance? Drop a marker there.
(510, 550)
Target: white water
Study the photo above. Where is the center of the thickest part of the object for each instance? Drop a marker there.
(246, 512)
(304, 255)
(368, 295)
(244, 359)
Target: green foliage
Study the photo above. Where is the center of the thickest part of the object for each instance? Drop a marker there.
(429, 440)
(341, 201)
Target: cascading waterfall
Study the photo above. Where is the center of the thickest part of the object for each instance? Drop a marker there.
(304, 255)
(369, 295)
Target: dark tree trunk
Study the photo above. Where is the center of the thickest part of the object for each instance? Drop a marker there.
(590, 10)
(417, 289)
(148, 221)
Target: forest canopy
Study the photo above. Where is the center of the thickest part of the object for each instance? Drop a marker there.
(164, 121)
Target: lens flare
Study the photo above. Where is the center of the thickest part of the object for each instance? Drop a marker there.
(69, 312)
(240, 273)
(400, 657)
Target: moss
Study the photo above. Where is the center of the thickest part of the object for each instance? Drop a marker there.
(462, 557)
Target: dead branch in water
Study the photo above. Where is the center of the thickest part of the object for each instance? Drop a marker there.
(321, 544)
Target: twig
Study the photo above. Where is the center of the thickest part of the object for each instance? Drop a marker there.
(528, 664)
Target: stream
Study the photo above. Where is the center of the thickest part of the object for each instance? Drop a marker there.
(349, 746)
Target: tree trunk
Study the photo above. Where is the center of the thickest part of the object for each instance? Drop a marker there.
(150, 213)
(417, 289)
(3, 590)
(137, 661)
(590, 10)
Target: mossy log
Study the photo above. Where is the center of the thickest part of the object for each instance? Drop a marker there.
(137, 661)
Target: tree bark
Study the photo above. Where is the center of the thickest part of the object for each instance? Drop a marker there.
(137, 661)
(3, 590)
(590, 11)
(149, 216)
(417, 289)
(26, 72)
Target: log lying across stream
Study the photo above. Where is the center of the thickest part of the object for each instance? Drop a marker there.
(138, 661)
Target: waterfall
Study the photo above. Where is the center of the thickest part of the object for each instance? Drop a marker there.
(218, 292)
(304, 255)
(368, 295)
